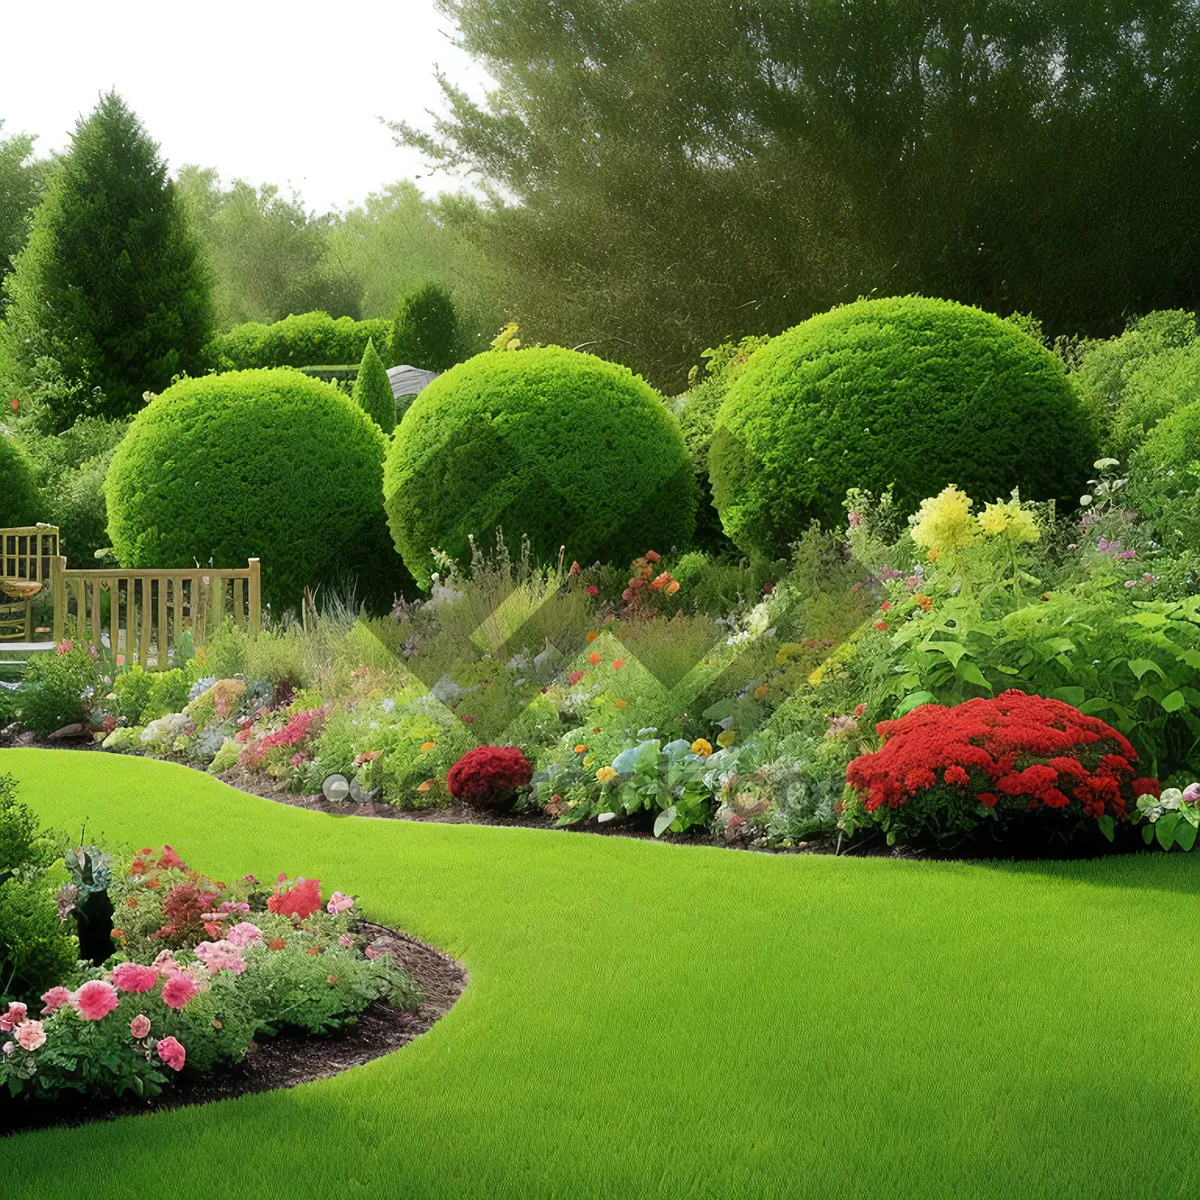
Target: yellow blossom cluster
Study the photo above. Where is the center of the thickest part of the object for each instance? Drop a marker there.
(944, 522)
(1010, 519)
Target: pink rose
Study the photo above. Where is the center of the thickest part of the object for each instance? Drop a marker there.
(179, 991)
(339, 902)
(221, 956)
(95, 1000)
(133, 977)
(7, 1048)
(31, 1035)
(140, 1026)
(165, 964)
(172, 1053)
(54, 999)
(13, 1017)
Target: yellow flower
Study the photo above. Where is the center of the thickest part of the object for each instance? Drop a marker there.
(816, 676)
(605, 774)
(1022, 527)
(993, 519)
(944, 521)
(787, 652)
(725, 739)
(702, 747)
(1009, 518)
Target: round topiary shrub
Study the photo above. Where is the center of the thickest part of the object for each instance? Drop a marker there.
(489, 775)
(1012, 765)
(905, 392)
(19, 501)
(546, 443)
(266, 464)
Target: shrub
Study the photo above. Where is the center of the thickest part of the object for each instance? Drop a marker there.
(490, 775)
(19, 500)
(1161, 384)
(546, 443)
(943, 774)
(60, 686)
(425, 331)
(905, 392)
(110, 294)
(267, 464)
(373, 390)
(301, 340)
(1164, 477)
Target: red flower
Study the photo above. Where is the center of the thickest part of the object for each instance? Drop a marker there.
(881, 626)
(170, 859)
(300, 901)
(651, 557)
(1147, 787)
(489, 774)
(886, 606)
(955, 774)
(593, 590)
(575, 677)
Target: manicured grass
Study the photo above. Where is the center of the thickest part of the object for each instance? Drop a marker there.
(645, 1019)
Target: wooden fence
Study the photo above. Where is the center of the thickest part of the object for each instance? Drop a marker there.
(27, 556)
(149, 611)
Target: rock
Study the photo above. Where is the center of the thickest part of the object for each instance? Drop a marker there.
(79, 729)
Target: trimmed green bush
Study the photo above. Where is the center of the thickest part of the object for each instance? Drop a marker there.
(304, 340)
(1164, 478)
(19, 501)
(905, 392)
(373, 390)
(266, 464)
(425, 332)
(558, 446)
(1161, 385)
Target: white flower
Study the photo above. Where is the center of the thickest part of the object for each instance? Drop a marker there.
(1170, 799)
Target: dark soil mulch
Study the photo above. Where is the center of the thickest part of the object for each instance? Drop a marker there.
(290, 1058)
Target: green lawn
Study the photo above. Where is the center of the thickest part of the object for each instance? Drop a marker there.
(644, 1019)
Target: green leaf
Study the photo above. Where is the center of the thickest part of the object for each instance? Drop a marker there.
(663, 823)
(913, 700)
(1005, 670)
(952, 650)
(1164, 829)
(1107, 826)
(1070, 695)
(1185, 835)
(1191, 658)
(1059, 645)
(1173, 701)
(1139, 666)
(1147, 834)
(969, 672)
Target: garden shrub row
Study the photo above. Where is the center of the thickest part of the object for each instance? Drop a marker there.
(301, 340)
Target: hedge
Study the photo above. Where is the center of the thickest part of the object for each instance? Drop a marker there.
(306, 340)
(906, 392)
(268, 464)
(559, 446)
(19, 500)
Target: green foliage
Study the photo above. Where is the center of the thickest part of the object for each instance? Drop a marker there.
(905, 392)
(1157, 386)
(268, 255)
(110, 295)
(1164, 478)
(307, 339)
(549, 444)
(425, 331)
(373, 390)
(267, 464)
(144, 696)
(19, 500)
(1105, 367)
(59, 689)
(22, 179)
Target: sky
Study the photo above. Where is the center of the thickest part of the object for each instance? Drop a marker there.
(267, 92)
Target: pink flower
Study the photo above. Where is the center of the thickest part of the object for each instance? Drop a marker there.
(31, 1035)
(339, 902)
(139, 1026)
(7, 1048)
(95, 1000)
(244, 934)
(65, 646)
(13, 1017)
(345, 940)
(172, 1053)
(165, 964)
(371, 952)
(593, 590)
(133, 977)
(221, 956)
(575, 677)
(179, 991)
(54, 999)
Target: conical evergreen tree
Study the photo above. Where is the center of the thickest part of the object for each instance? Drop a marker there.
(425, 333)
(373, 390)
(109, 299)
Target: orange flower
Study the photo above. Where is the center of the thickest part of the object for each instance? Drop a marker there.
(131, 902)
(276, 944)
(313, 950)
(620, 703)
(593, 658)
(428, 746)
(924, 601)
(424, 787)
(581, 749)
(331, 980)
(672, 587)
(761, 691)
(618, 663)
(932, 556)
(592, 637)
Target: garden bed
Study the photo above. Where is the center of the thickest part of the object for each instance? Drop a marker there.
(290, 1058)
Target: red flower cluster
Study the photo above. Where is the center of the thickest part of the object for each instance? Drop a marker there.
(1015, 745)
(489, 774)
(300, 901)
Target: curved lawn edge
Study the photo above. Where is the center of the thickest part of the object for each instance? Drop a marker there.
(649, 1021)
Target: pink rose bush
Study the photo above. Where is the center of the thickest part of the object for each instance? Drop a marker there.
(205, 968)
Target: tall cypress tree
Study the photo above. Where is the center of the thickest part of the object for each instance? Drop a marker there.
(373, 390)
(109, 299)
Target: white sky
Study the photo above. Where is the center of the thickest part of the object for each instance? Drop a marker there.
(265, 91)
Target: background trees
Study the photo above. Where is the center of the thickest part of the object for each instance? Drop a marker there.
(665, 176)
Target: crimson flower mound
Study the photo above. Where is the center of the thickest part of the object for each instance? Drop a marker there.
(1015, 764)
(489, 775)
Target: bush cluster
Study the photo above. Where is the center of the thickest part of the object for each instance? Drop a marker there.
(908, 393)
(19, 500)
(549, 444)
(263, 464)
(301, 340)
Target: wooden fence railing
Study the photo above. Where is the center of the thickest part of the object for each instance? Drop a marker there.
(27, 553)
(145, 613)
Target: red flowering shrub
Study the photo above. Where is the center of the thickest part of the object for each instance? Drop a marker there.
(489, 775)
(943, 772)
(299, 901)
